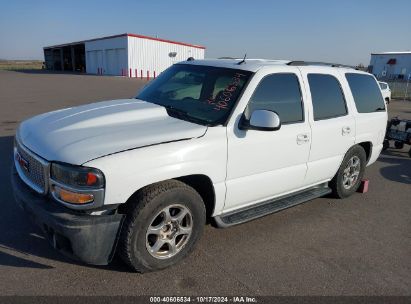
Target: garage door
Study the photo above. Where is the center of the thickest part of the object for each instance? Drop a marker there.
(94, 61)
(115, 61)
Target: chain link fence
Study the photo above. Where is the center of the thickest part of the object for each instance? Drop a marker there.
(400, 89)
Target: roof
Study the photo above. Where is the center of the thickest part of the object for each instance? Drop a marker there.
(392, 53)
(253, 65)
(250, 64)
(127, 35)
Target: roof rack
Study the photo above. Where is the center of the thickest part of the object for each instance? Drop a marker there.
(335, 65)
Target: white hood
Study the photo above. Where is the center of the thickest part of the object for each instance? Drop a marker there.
(77, 135)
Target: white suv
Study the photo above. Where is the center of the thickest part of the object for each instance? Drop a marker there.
(232, 140)
(385, 90)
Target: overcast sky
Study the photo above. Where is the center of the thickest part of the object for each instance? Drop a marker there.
(344, 31)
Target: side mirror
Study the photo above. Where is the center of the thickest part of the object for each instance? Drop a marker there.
(262, 120)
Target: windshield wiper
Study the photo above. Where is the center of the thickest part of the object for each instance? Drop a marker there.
(379, 109)
(184, 115)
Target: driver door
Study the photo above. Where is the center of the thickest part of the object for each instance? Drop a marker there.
(265, 164)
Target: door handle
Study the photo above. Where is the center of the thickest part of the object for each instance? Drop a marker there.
(302, 139)
(346, 130)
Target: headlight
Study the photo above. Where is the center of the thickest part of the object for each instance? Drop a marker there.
(77, 176)
(77, 186)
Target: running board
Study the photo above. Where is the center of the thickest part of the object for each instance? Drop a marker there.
(252, 212)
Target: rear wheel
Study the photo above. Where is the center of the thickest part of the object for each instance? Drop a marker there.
(162, 226)
(398, 144)
(349, 175)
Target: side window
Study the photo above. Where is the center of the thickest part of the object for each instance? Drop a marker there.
(367, 95)
(280, 93)
(383, 86)
(327, 96)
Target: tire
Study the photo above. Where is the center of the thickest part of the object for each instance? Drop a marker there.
(342, 186)
(145, 251)
(386, 144)
(398, 144)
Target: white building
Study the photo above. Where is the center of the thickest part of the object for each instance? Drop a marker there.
(124, 55)
(391, 65)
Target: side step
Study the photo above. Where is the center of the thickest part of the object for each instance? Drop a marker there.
(252, 212)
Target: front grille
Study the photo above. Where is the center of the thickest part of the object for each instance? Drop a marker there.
(31, 168)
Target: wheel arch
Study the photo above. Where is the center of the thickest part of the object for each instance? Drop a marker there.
(367, 146)
(199, 182)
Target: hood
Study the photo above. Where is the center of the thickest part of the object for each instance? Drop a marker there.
(77, 135)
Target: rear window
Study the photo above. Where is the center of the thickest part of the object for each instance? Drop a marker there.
(383, 86)
(327, 96)
(366, 93)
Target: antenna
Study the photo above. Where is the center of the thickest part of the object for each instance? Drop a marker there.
(243, 61)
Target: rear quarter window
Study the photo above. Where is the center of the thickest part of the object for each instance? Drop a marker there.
(366, 92)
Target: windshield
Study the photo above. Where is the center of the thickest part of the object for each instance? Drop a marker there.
(201, 94)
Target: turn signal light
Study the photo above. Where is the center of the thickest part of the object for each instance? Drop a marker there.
(72, 197)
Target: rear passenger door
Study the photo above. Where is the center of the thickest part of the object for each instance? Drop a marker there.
(331, 120)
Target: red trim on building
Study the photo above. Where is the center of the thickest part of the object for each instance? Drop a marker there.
(129, 35)
(166, 40)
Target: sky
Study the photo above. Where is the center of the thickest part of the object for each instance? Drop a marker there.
(344, 31)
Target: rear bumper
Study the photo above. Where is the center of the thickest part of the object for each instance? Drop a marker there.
(90, 239)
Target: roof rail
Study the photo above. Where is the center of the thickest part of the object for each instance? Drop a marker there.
(305, 63)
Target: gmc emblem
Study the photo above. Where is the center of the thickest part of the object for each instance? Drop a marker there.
(24, 164)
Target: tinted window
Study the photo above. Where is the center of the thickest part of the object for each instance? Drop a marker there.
(280, 93)
(327, 96)
(383, 86)
(367, 95)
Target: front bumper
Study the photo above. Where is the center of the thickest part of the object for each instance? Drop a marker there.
(89, 238)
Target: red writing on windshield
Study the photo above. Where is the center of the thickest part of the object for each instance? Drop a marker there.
(223, 98)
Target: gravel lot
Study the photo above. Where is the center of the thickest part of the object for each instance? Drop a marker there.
(357, 246)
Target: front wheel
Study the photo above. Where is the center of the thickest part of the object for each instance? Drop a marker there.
(164, 224)
(349, 175)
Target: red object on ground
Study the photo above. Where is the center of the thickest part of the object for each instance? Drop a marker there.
(363, 186)
(148, 75)
(141, 74)
(135, 71)
(131, 74)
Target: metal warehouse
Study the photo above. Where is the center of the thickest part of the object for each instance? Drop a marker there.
(391, 65)
(129, 55)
